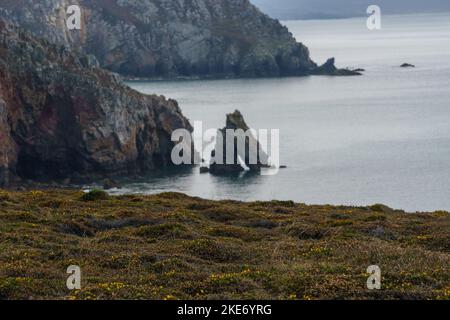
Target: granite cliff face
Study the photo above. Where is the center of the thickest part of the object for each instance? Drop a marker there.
(167, 38)
(61, 116)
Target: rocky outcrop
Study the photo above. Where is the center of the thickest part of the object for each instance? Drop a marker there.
(329, 68)
(166, 38)
(60, 116)
(407, 65)
(254, 158)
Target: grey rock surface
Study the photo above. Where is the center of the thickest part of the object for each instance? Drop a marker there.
(252, 154)
(169, 39)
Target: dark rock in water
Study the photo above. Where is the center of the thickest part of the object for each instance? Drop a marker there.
(359, 70)
(59, 117)
(204, 170)
(224, 169)
(407, 65)
(329, 68)
(167, 38)
(109, 184)
(283, 167)
(235, 121)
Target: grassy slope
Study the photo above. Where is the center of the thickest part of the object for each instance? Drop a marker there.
(172, 246)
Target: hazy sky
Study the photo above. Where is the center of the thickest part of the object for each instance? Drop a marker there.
(291, 9)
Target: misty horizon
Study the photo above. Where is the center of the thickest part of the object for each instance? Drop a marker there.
(330, 9)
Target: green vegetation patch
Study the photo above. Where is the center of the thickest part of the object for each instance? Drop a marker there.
(171, 246)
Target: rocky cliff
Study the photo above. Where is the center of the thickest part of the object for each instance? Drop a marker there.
(167, 38)
(62, 116)
(251, 152)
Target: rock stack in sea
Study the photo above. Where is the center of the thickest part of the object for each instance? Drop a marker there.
(254, 158)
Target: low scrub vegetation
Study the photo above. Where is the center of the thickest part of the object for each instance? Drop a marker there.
(171, 246)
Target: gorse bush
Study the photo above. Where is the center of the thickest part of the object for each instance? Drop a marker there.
(172, 246)
(94, 195)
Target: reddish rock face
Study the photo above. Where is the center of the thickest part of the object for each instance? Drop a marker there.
(61, 116)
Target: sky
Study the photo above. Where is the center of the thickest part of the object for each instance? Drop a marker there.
(312, 9)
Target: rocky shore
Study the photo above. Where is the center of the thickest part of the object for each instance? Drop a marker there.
(252, 150)
(62, 117)
(172, 39)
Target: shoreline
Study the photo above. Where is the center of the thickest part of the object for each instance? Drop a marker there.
(87, 187)
(218, 78)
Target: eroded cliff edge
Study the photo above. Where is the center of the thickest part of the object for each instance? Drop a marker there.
(169, 39)
(62, 116)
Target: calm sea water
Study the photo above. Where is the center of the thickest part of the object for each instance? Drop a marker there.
(380, 138)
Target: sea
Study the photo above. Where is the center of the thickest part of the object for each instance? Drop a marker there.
(383, 137)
